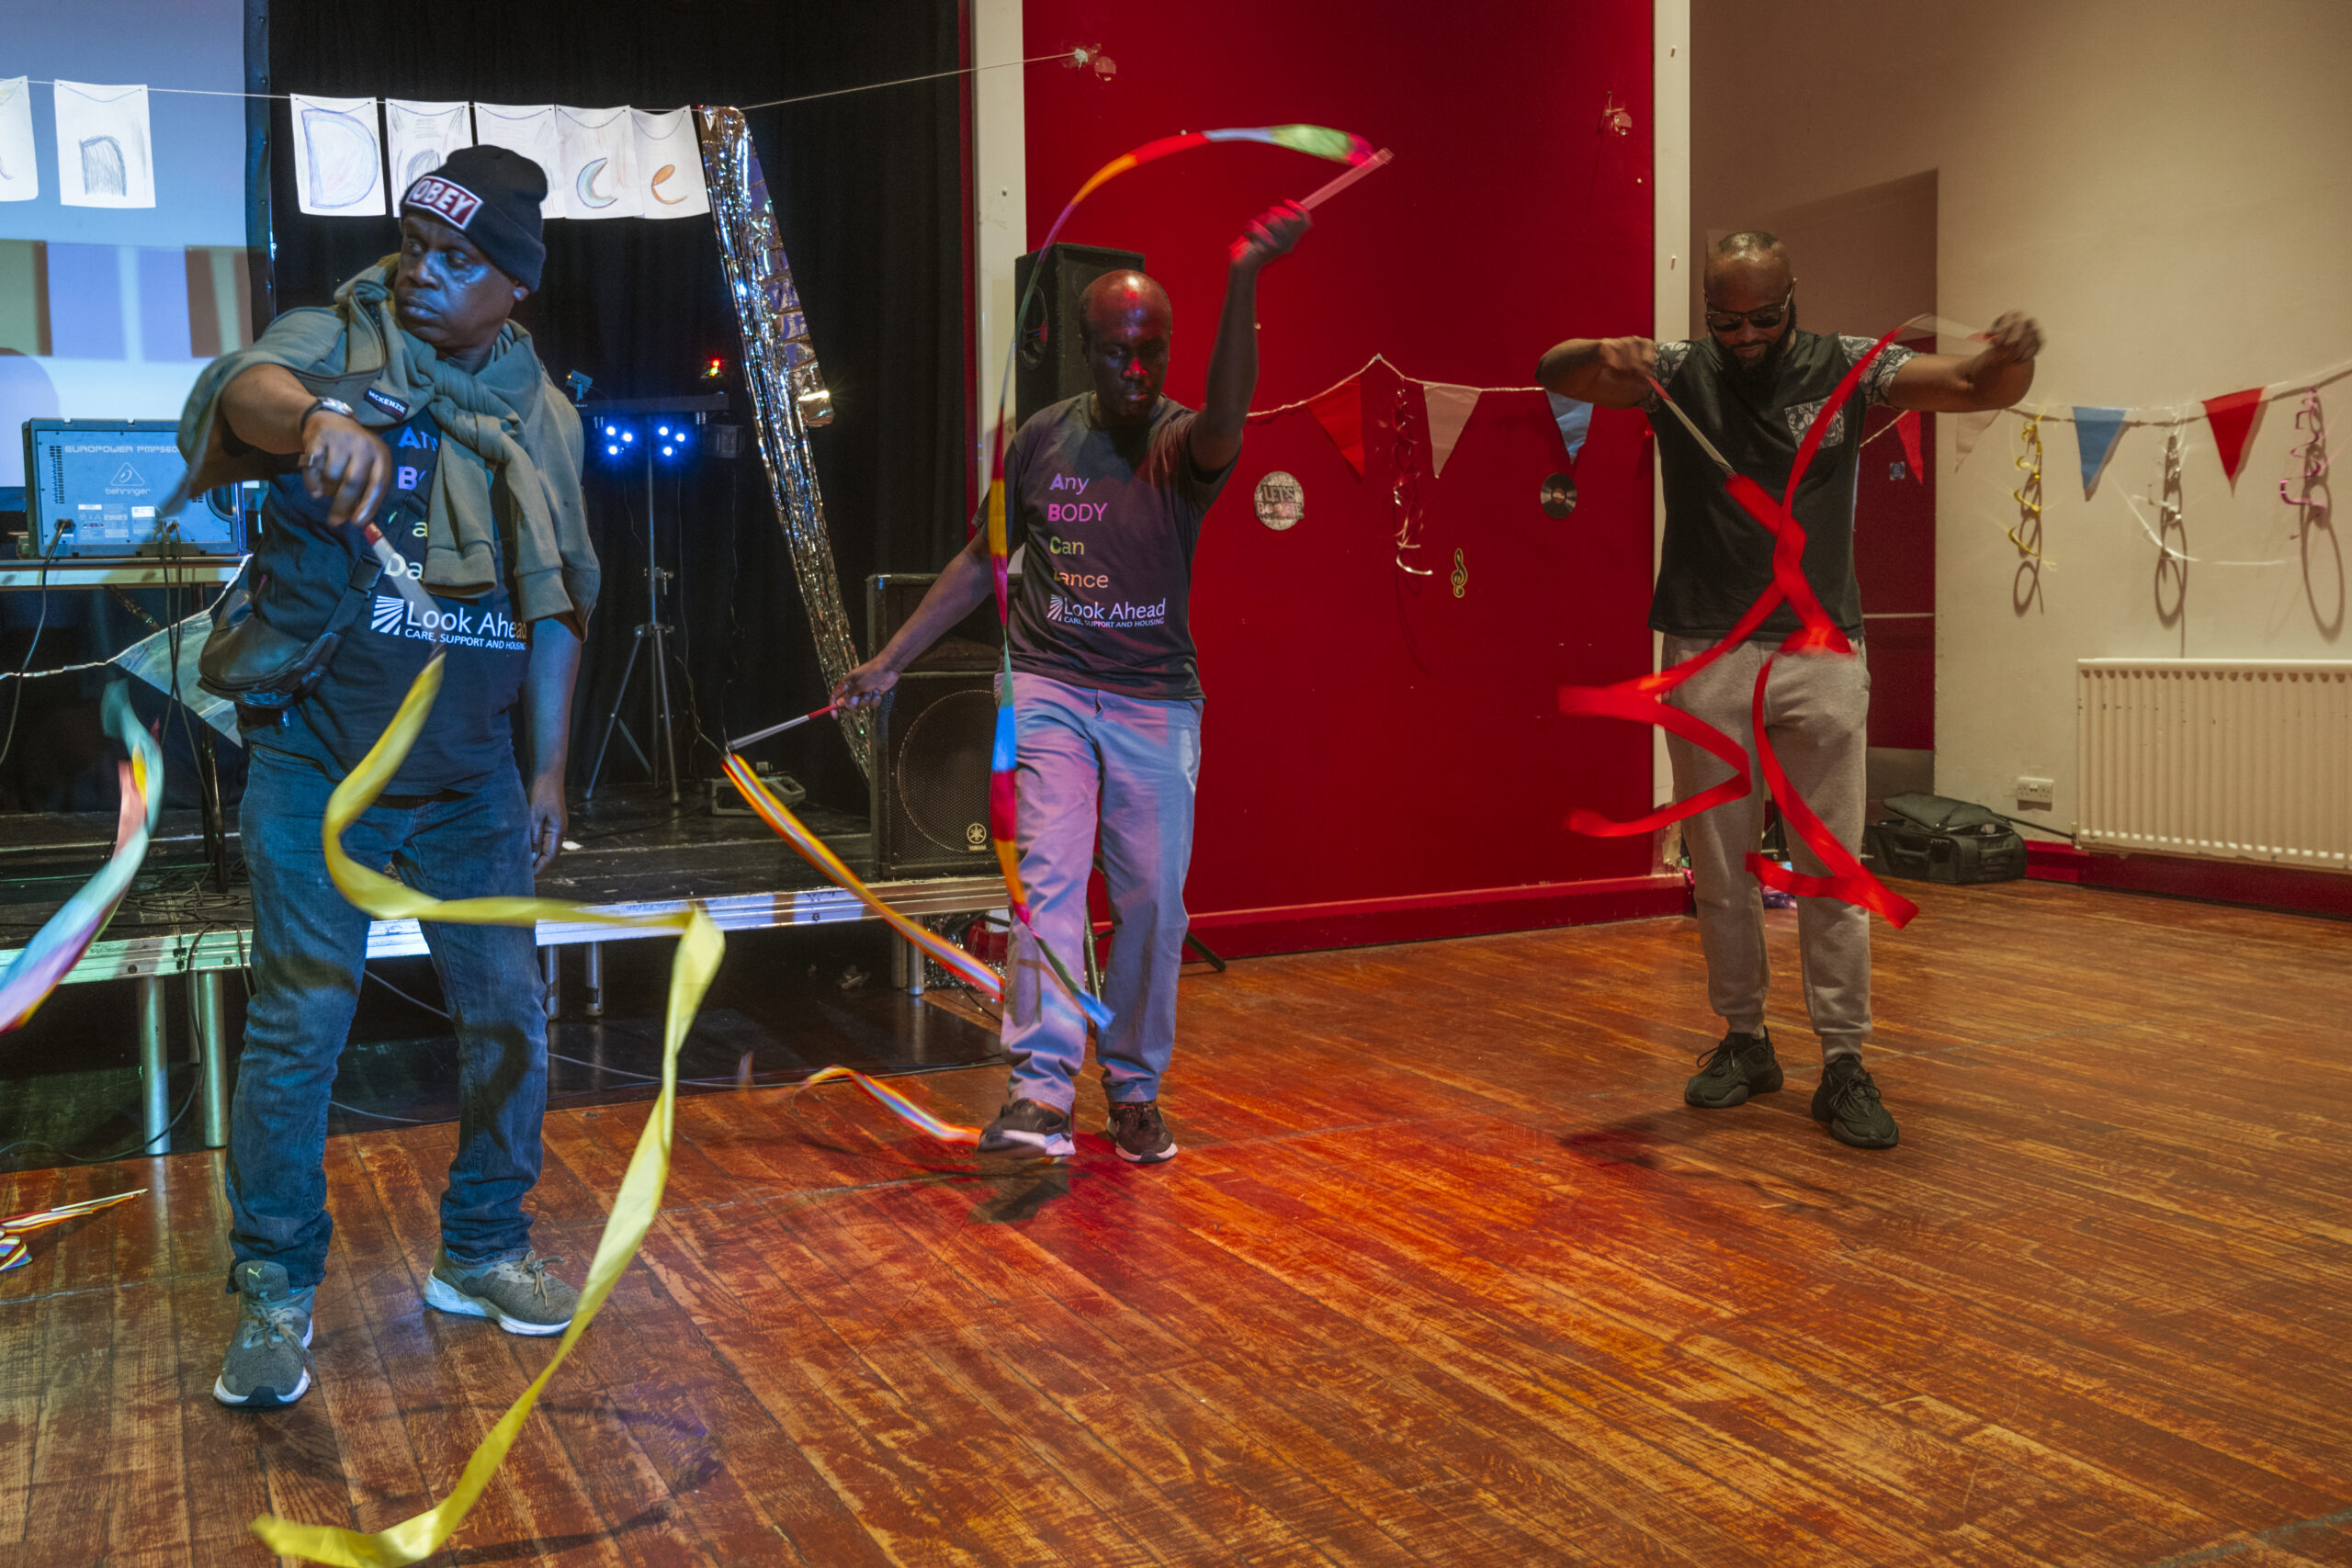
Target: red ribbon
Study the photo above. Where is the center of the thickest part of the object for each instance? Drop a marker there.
(1641, 700)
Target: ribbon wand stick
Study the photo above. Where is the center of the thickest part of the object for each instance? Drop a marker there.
(742, 740)
(1343, 180)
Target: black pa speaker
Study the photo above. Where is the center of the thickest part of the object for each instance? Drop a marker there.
(1050, 364)
(930, 790)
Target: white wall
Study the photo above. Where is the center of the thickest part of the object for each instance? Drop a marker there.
(1670, 280)
(1000, 199)
(2161, 183)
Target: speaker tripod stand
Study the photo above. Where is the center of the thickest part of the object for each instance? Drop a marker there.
(654, 634)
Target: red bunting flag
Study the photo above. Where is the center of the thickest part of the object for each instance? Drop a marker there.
(1907, 430)
(1449, 410)
(1341, 413)
(2232, 417)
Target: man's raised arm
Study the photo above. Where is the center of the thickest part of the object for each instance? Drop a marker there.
(1611, 371)
(1233, 363)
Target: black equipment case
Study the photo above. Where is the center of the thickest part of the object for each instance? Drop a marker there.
(1929, 839)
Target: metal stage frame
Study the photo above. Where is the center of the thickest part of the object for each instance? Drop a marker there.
(753, 882)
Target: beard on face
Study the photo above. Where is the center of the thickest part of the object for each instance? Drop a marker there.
(1760, 376)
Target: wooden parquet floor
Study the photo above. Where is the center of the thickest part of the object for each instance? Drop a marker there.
(1446, 1274)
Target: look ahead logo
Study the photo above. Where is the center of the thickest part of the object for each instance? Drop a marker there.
(453, 623)
(1119, 617)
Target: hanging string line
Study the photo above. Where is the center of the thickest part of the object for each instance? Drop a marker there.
(1067, 56)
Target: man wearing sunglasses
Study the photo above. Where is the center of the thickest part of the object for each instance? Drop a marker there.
(1752, 386)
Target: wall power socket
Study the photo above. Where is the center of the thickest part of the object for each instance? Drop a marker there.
(2037, 792)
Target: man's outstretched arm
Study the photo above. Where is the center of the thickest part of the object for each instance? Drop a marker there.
(1995, 379)
(958, 592)
(1611, 371)
(1233, 363)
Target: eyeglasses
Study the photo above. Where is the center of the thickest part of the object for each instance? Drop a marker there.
(1764, 320)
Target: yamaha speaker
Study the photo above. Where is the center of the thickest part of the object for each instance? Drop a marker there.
(1051, 361)
(932, 742)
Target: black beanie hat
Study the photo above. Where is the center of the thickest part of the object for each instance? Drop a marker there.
(493, 196)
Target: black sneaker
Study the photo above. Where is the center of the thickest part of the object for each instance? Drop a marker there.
(1849, 1102)
(1024, 1124)
(1140, 1135)
(268, 1363)
(1742, 1064)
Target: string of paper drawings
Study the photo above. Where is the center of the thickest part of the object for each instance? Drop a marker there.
(353, 156)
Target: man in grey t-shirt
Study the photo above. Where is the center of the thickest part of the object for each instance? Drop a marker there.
(1754, 383)
(1105, 492)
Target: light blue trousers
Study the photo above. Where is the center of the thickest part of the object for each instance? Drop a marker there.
(1128, 766)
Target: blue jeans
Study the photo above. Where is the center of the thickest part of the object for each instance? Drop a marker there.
(1129, 766)
(308, 946)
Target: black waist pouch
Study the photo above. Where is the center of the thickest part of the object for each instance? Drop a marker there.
(263, 669)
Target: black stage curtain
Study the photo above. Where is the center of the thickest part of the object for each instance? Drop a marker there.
(868, 192)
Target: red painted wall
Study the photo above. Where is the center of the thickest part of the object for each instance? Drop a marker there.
(1894, 560)
(1372, 735)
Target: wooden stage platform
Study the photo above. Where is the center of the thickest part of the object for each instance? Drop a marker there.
(1445, 1274)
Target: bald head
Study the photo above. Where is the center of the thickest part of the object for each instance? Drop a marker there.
(1749, 252)
(1751, 298)
(1115, 295)
(1126, 323)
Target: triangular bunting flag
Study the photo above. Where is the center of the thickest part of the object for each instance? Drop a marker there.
(1341, 413)
(2096, 432)
(2232, 417)
(1966, 429)
(1449, 409)
(1575, 419)
(1907, 430)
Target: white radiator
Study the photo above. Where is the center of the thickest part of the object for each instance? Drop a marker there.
(2236, 759)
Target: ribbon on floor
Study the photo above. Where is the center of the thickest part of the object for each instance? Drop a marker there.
(897, 1104)
(700, 948)
(1642, 699)
(65, 936)
(14, 1254)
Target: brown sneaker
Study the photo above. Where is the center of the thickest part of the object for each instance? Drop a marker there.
(1140, 1135)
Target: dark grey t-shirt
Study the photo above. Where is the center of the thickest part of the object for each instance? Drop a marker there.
(303, 567)
(1715, 560)
(1109, 519)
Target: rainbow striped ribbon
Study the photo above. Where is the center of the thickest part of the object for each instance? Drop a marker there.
(14, 1254)
(897, 1104)
(66, 935)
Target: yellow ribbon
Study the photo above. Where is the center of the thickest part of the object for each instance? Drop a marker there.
(699, 949)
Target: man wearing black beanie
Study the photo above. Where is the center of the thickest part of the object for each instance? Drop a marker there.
(413, 409)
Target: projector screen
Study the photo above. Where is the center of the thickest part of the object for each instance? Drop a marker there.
(108, 312)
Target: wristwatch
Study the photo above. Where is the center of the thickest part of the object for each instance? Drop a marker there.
(329, 405)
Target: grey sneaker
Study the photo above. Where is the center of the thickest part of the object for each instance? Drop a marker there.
(1140, 1135)
(1024, 1124)
(1741, 1066)
(1849, 1102)
(268, 1362)
(516, 1294)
